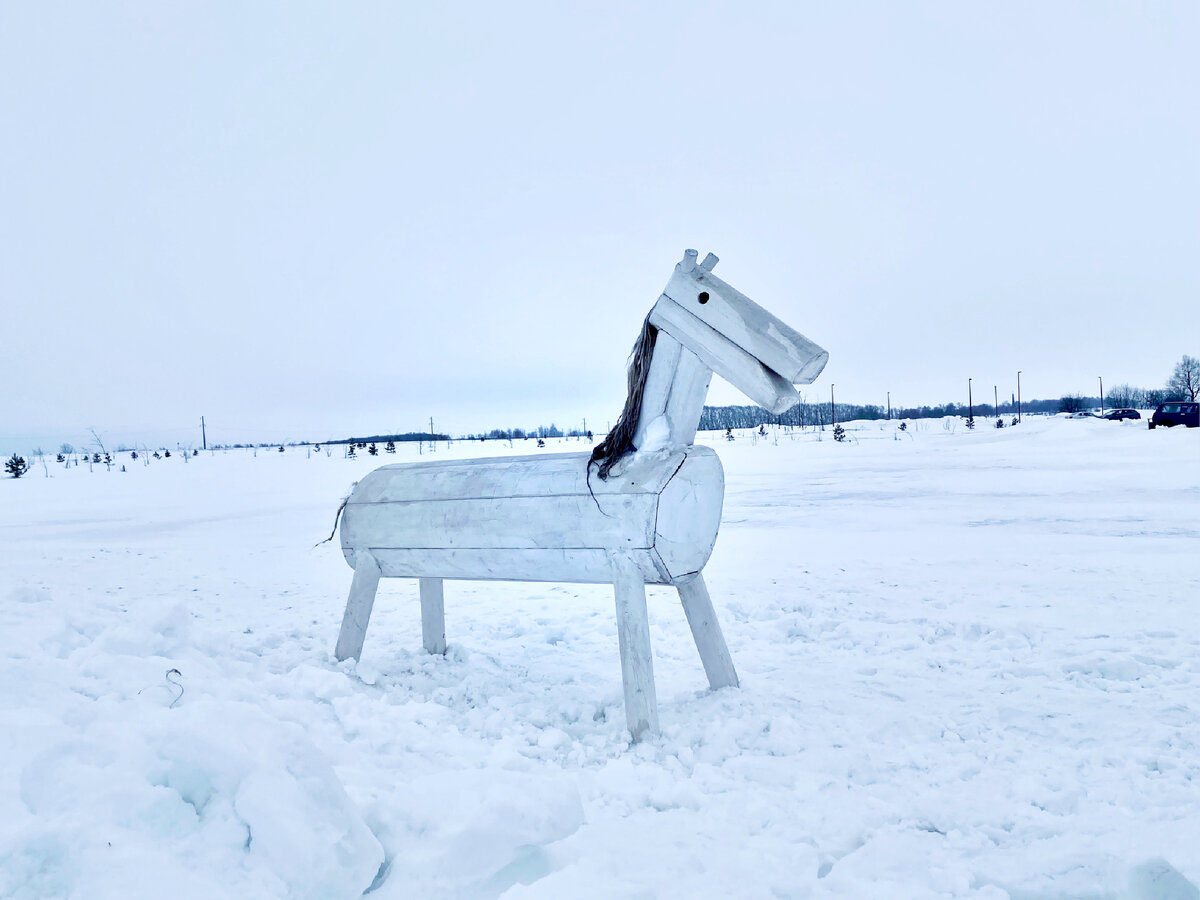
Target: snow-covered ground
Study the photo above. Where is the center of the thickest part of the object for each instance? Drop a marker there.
(970, 666)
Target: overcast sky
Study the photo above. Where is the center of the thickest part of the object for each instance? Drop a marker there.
(311, 220)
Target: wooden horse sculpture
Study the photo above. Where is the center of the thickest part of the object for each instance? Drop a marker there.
(642, 508)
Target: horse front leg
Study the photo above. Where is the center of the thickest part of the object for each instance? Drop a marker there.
(633, 635)
(706, 631)
(433, 616)
(358, 606)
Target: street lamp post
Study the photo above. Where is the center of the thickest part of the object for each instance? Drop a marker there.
(996, 400)
(889, 393)
(1018, 395)
(970, 403)
(1101, 394)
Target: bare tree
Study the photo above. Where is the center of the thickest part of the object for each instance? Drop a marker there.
(1124, 395)
(1072, 403)
(1185, 380)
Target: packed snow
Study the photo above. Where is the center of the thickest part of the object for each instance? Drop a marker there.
(969, 660)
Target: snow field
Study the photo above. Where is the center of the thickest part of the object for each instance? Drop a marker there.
(968, 662)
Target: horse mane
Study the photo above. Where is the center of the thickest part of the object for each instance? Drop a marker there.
(620, 440)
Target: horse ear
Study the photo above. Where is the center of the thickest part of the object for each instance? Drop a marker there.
(689, 261)
(709, 261)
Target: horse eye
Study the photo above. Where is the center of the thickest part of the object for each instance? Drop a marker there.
(703, 298)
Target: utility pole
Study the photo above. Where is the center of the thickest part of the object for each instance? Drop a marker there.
(1101, 395)
(203, 435)
(970, 402)
(889, 406)
(832, 408)
(432, 445)
(996, 400)
(1018, 395)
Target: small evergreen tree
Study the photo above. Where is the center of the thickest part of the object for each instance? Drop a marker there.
(999, 423)
(350, 454)
(839, 433)
(729, 434)
(133, 455)
(390, 447)
(166, 454)
(971, 422)
(16, 466)
(60, 458)
(373, 450)
(904, 426)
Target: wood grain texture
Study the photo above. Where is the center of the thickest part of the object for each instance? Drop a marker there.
(557, 536)
(706, 631)
(687, 508)
(731, 313)
(633, 636)
(358, 607)
(433, 616)
(580, 566)
(764, 386)
(676, 386)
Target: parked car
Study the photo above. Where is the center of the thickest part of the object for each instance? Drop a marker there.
(1083, 414)
(1120, 415)
(1177, 412)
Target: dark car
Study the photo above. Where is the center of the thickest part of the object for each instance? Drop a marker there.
(1176, 412)
(1120, 415)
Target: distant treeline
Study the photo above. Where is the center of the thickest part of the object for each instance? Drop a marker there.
(425, 436)
(718, 418)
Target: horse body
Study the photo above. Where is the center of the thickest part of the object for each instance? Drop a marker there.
(642, 508)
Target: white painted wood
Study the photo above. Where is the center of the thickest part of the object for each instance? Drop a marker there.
(764, 386)
(663, 366)
(743, 322)
(689, 503)
(505, 533)
(686, 401)
(676, 386)
(358, 606)
(706, 630)
(579, 566)
(551, 518)
(433, 616)
(510, 476)
(633, 635)
(574, 520)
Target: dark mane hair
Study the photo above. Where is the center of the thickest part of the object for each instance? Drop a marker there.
(620, 440)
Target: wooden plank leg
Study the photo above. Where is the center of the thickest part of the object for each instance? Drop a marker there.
(706, 630)
(433, 616)
(358, 606)
(633, 634)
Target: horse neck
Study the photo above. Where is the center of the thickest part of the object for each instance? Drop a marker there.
(676, 386)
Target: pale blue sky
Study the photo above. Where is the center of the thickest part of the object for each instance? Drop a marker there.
(305, 220)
